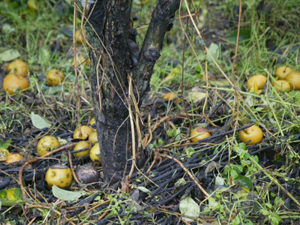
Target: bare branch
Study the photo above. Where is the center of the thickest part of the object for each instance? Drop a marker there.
(161, 21)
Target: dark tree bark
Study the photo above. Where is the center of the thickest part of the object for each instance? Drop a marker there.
(113, 58)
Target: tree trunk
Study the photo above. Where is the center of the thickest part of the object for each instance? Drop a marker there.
(113, 59)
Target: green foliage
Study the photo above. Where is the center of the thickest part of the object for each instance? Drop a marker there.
(5, 144)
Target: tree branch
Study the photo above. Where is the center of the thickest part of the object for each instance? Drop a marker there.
(161, 21)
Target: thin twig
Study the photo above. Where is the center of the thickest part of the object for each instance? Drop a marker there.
(132, 128)
(189, 173)
(274, 180)
(72, 168)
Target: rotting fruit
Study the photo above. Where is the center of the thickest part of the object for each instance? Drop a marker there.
(199, 133)
(59, 175)
(18, 67)
(281, 85)
(82, 145)
(47, 144)
(83, 132)
(14, 157)
(282, 71)
(55, 77)
(95, 153)
(251, 135)
(259, 79)
(87, 174)
(294, 79)
(93, 138)
(13, 82)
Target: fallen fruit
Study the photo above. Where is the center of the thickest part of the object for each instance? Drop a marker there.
(18, 67)
(47, 144)
(93, 138)
(59, 175)
(259, 79)
(83, 132)
(92, 121)
(82, 145)
(282, 71)
(3, 153)
(87, 174)
(199, 133)
(14, 157)
(79, 37)
(281, 85)
(13, 82)
(80, 60)
(251, 135)
(95, 153)
(294, 79)
(55, 77)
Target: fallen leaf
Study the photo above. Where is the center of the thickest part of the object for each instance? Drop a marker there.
(143, 189)
(214, 50)
(196, 96)
(39, 122)
(188, 207)
(9, 55)
(67, 195)
(10, 196)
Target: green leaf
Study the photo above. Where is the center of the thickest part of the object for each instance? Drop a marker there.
(5, 144)
(39, 122)
(171, 132)
(269, 205)
(264, 212)
(239, 148)
(62, 141)
(190, 151)
(180, 182)
(11, 196)
(234, 174)
(245, 35)
(214, 50)
(248, 222)
(275, 221)
(9, 55)
(67, 195)
(244, 181)
(213, 204)
(53, 90)
(219, 181)
(7, 29)
(275, 218)
(236, 221)
(238, 168)
(190, 208)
